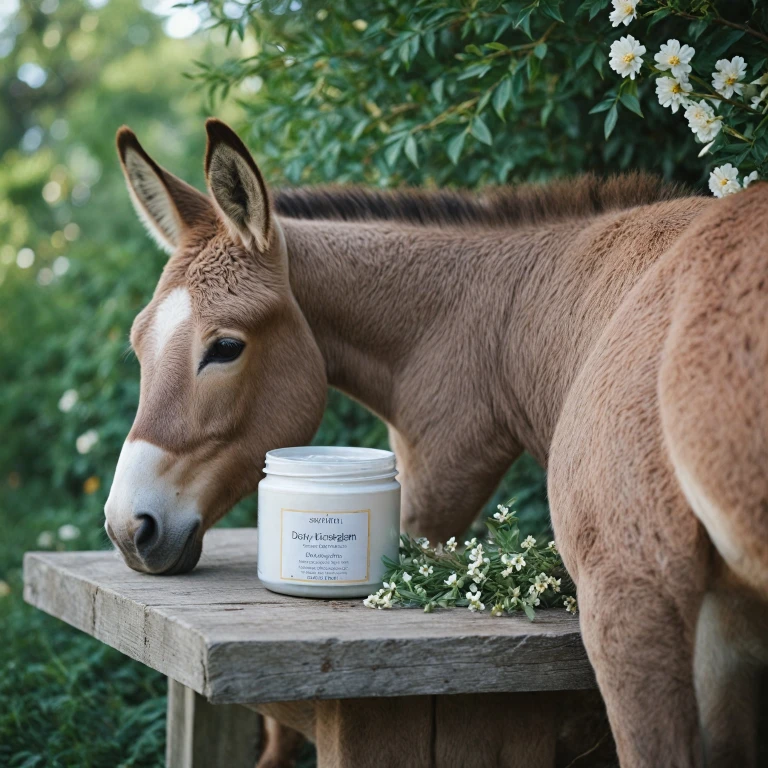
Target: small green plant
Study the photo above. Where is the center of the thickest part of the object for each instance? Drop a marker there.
(499, 571)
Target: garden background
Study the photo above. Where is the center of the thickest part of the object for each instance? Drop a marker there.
(460, 92)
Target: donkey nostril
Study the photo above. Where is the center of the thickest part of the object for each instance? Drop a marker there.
(146, 532)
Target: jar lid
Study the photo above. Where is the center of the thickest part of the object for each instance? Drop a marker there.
(326, 462)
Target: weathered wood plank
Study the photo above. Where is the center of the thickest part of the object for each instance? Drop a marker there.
(220, 632)
(203, 735)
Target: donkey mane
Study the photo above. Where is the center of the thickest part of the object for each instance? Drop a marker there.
(492, 206)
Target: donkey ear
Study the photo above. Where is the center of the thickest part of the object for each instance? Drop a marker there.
(236, 184)
(166, 205)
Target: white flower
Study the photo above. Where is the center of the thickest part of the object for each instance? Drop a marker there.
(497, 610)
(703, 121)
(518, 561)
(423, 542)
(86, 441)
(570, 604)
(471, 543)
(515, 592)
(46, 540)
(390, 585)
(475, 603)
(502, 515)
(426, 570)
(477, 554)
(407, 577)
(726, 79)
(534, 601)
(69, 532)
(371, 601)
(554, 583)
(626, 56)
(419, 590)
(672, 92)
(676, 58)
(552, 546)
(68, 400)
(507, 572)
(528, 542)
(451, 580)
(724, 180)
(623, 12)
(749, 179)
(479, 578)
(385, 602)
(450, 545)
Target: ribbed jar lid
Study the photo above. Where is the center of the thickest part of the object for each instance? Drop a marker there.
(326, 462)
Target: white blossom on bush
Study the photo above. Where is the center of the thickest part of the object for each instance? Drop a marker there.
(46, 540)
(703, 121)
(726, 80)
(676, 58)
(86, 441)
(626, 56)
(624, 11)
(748, 179)
(68, 400)
(69, 532)
(672, 92)
(724, 180)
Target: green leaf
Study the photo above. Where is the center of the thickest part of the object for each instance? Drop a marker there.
(610, 121)
(552, 9)
(529, 612)
(393, 152)
(540, 51)
(631, 102)
(583, 57)
(598, 60)
(501, 96)
(357, 131)
(473, 49)
(455, 145)
(429, 42)
(497, 46)
(480, 131)
(438, 90)
(412, 151)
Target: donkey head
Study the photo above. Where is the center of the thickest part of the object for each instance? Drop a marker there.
(229, 366)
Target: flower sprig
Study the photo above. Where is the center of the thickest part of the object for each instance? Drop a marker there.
(739, 103)
(500, 571)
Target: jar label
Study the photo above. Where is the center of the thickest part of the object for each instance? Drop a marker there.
(325, 546)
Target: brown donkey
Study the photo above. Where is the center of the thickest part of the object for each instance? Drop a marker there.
(616, 329)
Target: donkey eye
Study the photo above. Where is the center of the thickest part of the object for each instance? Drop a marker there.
(223, 351)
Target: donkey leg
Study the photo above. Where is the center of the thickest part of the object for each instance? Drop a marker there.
(642, 653)
(375, 733)
(730, 654)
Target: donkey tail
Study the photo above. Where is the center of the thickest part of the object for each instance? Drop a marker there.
(713, 381)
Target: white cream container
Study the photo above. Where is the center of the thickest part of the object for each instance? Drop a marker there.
(327, 516)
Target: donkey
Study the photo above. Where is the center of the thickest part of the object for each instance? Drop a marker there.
(616, 329)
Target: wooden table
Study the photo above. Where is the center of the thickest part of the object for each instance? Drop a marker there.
(218, 633)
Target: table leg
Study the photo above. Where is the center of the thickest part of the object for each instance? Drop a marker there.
(205, 735)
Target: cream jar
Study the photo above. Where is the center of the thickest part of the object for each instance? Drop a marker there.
(327, 516)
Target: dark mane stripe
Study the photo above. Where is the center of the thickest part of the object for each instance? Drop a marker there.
(491, 206)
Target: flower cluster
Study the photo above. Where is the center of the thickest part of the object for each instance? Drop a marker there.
(707, 104)
(501, 571)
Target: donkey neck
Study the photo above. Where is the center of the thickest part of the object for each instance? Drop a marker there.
(494, 321)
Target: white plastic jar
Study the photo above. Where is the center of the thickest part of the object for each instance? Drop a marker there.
(327, 516)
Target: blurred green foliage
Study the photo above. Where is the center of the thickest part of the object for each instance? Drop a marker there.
(467, 92)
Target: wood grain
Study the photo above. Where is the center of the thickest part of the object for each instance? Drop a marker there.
(220, 632)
